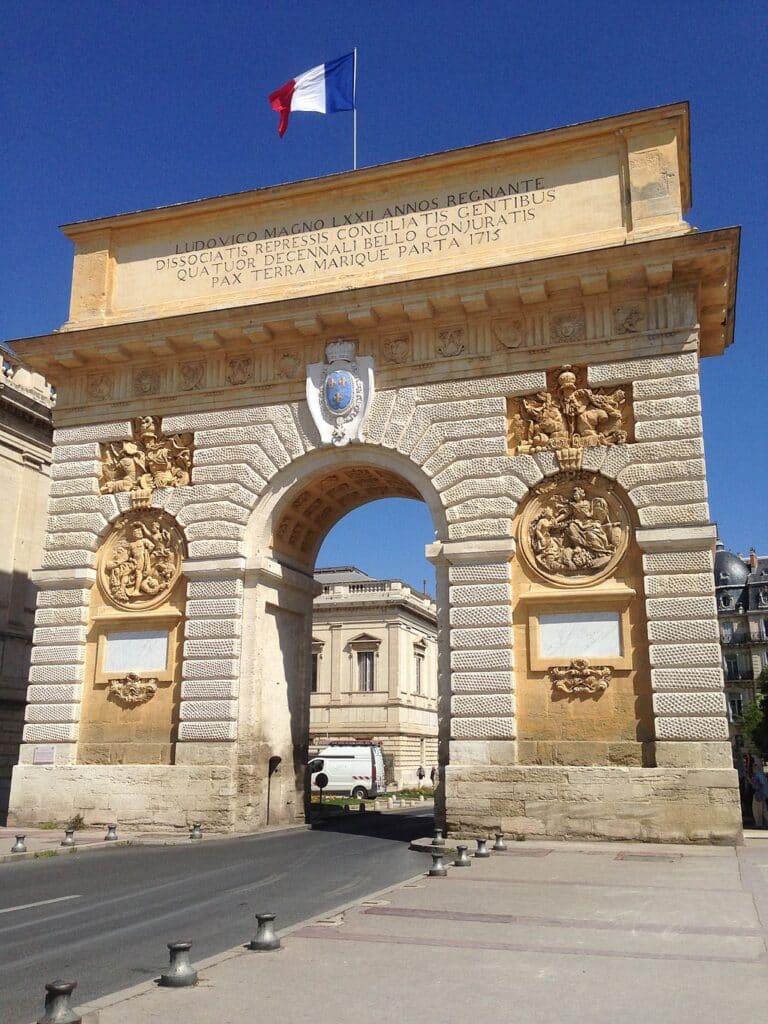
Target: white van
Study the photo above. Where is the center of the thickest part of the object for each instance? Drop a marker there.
(353, 769)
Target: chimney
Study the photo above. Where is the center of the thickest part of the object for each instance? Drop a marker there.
(753, 560)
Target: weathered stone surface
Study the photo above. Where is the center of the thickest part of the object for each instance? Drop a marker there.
(664, 562)
(689, 704)
(626, 370)
(483, 704)
(684, 655)
(687, 678)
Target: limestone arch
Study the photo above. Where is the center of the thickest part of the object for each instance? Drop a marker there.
(279, 587)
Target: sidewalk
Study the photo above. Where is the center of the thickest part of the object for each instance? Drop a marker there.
(555, 933)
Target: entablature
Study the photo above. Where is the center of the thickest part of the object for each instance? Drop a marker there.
(647, 298)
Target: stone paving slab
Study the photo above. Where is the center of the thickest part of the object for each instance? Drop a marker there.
(575, 935)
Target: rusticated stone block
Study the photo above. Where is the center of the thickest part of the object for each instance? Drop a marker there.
(684, 655)
(666, 562)
(682, 631)
(630, 370)
(699, 678)
(689, 703)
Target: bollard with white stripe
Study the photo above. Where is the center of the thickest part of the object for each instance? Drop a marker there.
(19, 846)
(265, 938)
(181, 973)
(58, 1008)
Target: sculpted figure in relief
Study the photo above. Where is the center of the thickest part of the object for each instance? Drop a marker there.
(141, 559)
(569, 533)
(148, 461)
(567, 416)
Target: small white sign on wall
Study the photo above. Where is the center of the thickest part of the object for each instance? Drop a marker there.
(43, 755)
(580, 635)
(136, 651)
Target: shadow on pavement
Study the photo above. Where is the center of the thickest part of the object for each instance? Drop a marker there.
(401, 828)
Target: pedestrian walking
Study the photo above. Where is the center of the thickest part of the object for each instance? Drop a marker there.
(759, 794)
(433, 776)
(420, 774)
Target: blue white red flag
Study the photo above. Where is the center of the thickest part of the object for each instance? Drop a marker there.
(325, 89)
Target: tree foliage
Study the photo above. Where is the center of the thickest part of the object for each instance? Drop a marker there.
(754, 720)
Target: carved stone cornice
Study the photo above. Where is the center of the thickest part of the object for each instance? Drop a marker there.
(258, 353)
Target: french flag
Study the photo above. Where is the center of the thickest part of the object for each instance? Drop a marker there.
(325, 89)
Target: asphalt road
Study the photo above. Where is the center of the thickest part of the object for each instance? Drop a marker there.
(110, 914)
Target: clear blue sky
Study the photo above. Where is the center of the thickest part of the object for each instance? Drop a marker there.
(110, 105)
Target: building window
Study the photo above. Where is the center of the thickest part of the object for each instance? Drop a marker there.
(736, 705)
(727, 631)
(731, 666)
(365, 673)
(418, 672)
(315, 666)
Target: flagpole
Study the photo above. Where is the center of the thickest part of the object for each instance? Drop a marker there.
(354, 111)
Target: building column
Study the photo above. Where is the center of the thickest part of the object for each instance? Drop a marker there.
(479, 637)
(690, 715)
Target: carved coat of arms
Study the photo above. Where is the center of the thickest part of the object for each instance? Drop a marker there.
(340, 392)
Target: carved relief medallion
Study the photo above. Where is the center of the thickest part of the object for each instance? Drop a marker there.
(580, 677)
(191, 375)
(132, 690)
(451, 341)
(395, 350)
(288, 365)
(568, 415)
(573, 533)
(509, 333)
(146, 381)
(99, 386)
(629, 318)
(567, 326)
(148, 461)
(140, 559)
(239, 370)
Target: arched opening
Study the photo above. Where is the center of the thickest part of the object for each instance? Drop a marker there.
(366, 667)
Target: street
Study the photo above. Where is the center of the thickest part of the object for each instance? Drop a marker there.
(103, 919)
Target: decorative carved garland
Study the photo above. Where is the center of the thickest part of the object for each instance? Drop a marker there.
(580, 677)
(131, 690)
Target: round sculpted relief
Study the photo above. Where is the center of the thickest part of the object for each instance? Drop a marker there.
(574, 531)
(140, 559)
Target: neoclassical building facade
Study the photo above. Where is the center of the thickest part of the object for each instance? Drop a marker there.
(510, 333)
(25, 462)
(374, 669)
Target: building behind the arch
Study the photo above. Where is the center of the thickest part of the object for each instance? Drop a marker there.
(511, 333)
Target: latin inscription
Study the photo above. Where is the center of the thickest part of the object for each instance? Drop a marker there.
(426, 227)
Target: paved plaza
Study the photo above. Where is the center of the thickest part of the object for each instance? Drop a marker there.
(562, 933)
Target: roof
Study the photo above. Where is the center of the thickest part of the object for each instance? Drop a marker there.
(342, 574)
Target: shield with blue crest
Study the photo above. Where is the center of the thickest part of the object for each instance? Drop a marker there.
(339, 391)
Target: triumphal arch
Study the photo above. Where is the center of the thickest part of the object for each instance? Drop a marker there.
(510, 333)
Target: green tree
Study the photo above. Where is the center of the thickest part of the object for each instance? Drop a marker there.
(754, 720)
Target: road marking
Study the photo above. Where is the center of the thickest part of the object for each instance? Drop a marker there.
(41, 903)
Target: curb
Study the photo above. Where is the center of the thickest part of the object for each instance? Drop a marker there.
(90, 1011)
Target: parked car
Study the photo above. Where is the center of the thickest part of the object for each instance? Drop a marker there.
(354, 769)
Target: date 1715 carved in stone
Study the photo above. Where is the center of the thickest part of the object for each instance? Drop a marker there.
(573, 532)
(141, 558)
(148, 461)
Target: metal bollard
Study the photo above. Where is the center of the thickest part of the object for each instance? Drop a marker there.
(69, 837)
(462, 861)
(438, 869)
(481, 850)
(361, 808)
(437, 839)
(180, 971)
(196, 832)
(111, 834)
(265, 938)
(19, 846)
(58, 1009)
(499, 844)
